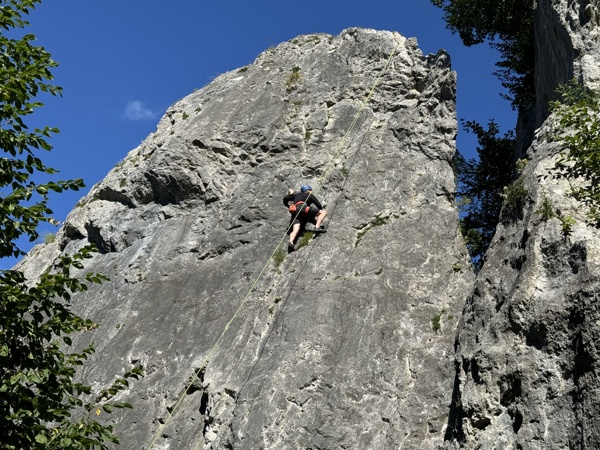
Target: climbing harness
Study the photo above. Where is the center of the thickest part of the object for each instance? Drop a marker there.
(299, 207)
(325, 174)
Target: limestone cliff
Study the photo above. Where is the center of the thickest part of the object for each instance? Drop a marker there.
(527, 353)
(353, 341)
(346, 343)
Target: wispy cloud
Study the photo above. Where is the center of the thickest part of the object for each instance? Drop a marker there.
(136, 110)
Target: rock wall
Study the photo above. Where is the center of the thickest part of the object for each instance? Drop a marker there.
(566, 37)
(346, 343)
(353, 341)
(527, 356)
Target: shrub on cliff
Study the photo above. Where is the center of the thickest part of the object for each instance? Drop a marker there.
(578, 113)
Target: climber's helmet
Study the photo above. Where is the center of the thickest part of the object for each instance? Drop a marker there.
(305, 188)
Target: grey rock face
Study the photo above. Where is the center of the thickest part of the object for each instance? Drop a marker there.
(566, 36)
(527, 357)
(346, 343)
(526, 352)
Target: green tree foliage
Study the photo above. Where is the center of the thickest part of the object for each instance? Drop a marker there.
(41, 404)
(508, 26)
(481, 185)
(578, 113)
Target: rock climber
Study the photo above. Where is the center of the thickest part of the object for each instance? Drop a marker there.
(304, 207)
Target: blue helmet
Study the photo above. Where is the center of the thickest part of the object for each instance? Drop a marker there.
(305, 188)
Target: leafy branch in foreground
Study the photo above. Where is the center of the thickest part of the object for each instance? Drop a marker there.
(40, 401)
(24, 72)
(578, 113)
(41, 404)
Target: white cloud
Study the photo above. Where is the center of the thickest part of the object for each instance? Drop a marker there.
(136, 110)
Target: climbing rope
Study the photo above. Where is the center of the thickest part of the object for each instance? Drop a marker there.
(325, 174)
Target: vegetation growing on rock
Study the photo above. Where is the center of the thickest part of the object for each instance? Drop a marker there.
(578, 113)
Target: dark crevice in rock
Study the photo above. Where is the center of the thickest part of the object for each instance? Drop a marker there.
(577, 257)
(454, 430)
(524, 239)
(231, 392)
(203, 403)
(71, 233)
(517, 417)
(582, 320)
(586, 13)
(475, 371)
(536, 335)
(198, 143)
(95, 237)
(583, 359)
(197, 385)
(197, 382)
(510, 389)
(517, 262)
(220, 150)
(231, 227)
(309, 383)
(470, 367)
(110, 195)
(481, 423)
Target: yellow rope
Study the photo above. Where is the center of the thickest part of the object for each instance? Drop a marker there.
(326, 172)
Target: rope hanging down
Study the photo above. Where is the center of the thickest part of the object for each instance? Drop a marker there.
(326, 173)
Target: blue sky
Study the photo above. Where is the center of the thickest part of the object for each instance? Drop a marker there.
(123, 63)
